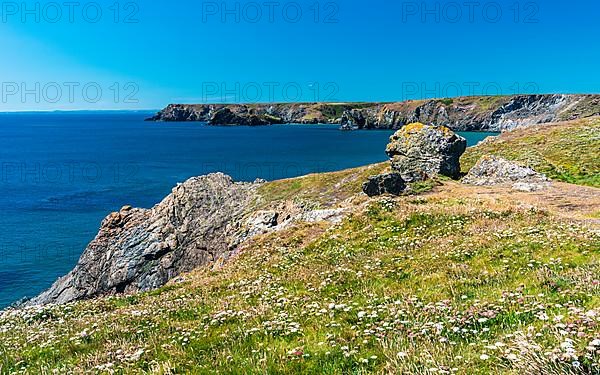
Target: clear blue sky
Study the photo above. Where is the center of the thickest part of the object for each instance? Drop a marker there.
(159, 52)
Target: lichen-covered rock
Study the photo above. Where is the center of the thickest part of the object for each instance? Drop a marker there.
(491, 170)
(419, 152)
(390, 183)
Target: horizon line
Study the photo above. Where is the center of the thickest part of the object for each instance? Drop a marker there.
(77, 110)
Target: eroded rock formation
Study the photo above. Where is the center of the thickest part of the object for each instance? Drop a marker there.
(202, 222)
(419, 152)
(141, 249)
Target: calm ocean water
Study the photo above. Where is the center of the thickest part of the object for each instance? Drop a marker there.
(62, 173)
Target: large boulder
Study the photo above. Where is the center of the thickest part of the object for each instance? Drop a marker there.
(390, 183)
(492, 170)
(141, 249)
(419, 152)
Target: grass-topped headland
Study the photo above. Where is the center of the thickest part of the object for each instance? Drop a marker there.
(568, 152)
(457, 280)
(472, 113)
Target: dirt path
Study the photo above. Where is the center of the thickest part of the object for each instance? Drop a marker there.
(574, 202)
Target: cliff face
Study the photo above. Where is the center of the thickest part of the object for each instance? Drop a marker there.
(203, 221)
(459, 114)
(138, 249)
(255, 114)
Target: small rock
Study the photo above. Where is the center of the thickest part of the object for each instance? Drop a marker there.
(491, 170)
(265, 218)
(390, 183)
(262, 222)
(348, 127)
(331, 215)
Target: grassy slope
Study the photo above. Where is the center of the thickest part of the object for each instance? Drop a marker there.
(454, 281)
(568, 152)
(325, 189)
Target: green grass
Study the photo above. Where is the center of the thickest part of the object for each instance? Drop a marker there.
(486, 103)
(440, 281)
(587, 107)
(567, 152)
(445, 282)
(323, 189)
(328, 189)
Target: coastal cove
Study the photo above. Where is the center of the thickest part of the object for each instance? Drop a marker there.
(62, 173)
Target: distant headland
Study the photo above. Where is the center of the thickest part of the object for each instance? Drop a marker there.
(474, 113)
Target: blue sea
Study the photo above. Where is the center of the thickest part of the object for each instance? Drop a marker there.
(62, 173)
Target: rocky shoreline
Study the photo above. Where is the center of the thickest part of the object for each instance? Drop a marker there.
(138, 249)
(202, 222)
(478, 113)
(206, 219)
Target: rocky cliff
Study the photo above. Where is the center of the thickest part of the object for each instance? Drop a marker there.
(497, 113)
(138, 249)
(203, 221)
(485, 278)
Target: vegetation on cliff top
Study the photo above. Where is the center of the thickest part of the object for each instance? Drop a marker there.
(491, 113)
(463, 280)
(568, 152)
